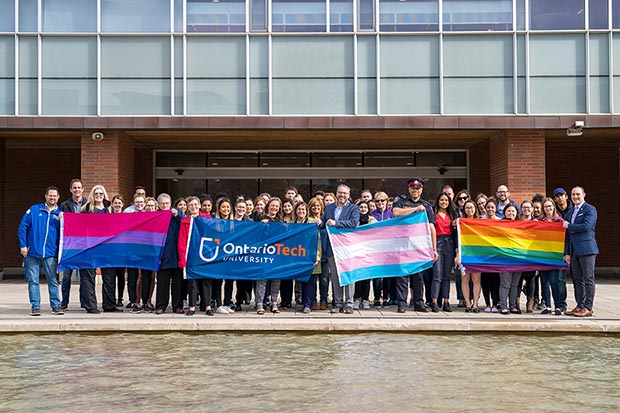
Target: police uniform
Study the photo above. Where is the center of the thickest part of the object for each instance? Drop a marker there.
(404, 201)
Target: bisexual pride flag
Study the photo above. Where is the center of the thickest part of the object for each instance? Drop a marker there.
(392, 248)
(244, 250)
(489, 245)
(133, 240)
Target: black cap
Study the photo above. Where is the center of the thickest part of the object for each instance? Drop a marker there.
(419, 182)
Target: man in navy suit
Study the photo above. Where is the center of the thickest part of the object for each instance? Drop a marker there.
(580, 251)
(341, 214)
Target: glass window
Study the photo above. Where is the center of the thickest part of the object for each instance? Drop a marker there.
(284, 160)
(216, 75)
(7, 15)
(141, 85)
(318, 68)
(341, 15)
(557, 15)
(7, 49)
(366, 11)
(258, 12)
(178, 16)
(223, 16)
(298, 16)
(408, 16)
(187, 159)
(615, 15)
(28, 16)
(69, 89)
(521, 84)
(598, 14)
(440, 158)
(520, 14)
(259, 76)
(409, 74)
(178, 75)
(69, 15)
(388, 159)
(28, 75)
(7, 96)
(558, 81)
(476, 15)
(135, 16)
(337, 160)
(478, 74)
(232, 160)
(366, 75)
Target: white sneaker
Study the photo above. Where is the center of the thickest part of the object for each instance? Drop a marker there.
(185, 305)
(487, 310)
(494, 310)
(366, 305)
(356, 304)
(221, 310)
(230, 310)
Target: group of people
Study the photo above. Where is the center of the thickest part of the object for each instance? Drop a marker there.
(39, 235)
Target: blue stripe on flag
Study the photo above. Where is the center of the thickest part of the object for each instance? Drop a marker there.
(378, 271)
(112, 256)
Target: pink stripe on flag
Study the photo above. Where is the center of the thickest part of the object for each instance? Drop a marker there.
(385, 258)
(390, 232)
(106, 225)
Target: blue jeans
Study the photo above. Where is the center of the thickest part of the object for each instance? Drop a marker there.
(66, 287)
(33, 269)
(550, 280)
(324, 281)
(562, 288)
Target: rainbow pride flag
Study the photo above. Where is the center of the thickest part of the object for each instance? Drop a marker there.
(392, 248)
(505, 246)
(112, 240)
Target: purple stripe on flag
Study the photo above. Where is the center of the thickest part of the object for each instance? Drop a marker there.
(127, 237)
(390, 232)
(385, 258)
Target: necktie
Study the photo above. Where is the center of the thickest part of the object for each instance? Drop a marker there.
(575, 211)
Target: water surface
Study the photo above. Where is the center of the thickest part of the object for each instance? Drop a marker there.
(301, 373)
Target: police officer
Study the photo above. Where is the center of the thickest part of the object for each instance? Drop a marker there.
(404, 205)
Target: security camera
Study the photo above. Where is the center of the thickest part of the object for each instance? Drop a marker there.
(576, 129)
(97, 136)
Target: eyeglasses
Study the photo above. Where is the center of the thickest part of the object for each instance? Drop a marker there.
(462, 198)
(98, 193)
(380, 200)
(502, 192)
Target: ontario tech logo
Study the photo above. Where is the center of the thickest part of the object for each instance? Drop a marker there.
(206, 246)
(209, 251)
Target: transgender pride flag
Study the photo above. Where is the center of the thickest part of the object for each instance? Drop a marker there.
(112, 240)
(392, 248)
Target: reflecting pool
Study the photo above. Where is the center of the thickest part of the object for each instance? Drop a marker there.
(301, 373)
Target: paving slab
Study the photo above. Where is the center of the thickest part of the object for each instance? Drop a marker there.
(15, 318)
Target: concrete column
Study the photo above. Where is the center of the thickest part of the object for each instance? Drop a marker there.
(517, 160)
(109, 162)
(2, 205)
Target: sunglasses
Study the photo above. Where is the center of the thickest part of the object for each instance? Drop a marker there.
(462, 198)
(380, 200)
(98, 193)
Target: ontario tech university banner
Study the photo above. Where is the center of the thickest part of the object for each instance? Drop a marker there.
(489, 245)
(392, 248)
(112, 240)
(243, 250)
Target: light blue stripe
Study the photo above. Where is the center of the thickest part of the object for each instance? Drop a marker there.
(415, 218)
(378, 271)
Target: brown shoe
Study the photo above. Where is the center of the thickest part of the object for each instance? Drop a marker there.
(529, 306)
(584, 313)
(578, 312)
(159, 311)
(323, 305)
(314, 306)
(571, 312)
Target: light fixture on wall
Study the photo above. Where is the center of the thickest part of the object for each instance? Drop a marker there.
(442, 170)
(179, 172)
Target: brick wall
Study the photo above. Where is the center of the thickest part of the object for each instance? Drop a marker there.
(517, 160)
(110, 163)
(595, 165)
(27, 174)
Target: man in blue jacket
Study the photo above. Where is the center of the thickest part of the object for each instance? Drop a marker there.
(341, 214)
(580, 251)
(39, 236)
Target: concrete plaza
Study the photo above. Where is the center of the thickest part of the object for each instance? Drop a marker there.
(15, 318)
